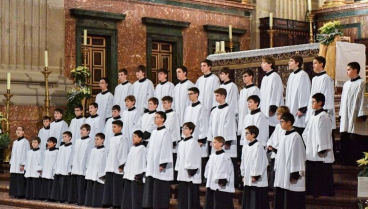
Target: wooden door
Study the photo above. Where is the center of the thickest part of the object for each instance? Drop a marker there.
(161, 58)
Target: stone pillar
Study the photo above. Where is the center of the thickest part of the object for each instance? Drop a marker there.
(291, 9)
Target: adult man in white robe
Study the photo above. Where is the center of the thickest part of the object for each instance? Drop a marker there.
(122, 90)
(298, 92)
(353, 113)
(207, 84)
(104, 100)
(164, 88)
(142, 89)
(231, 89)
(181, 100)
(271, 92)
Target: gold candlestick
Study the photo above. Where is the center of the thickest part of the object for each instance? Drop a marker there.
(46, 74)
(272, 33)
(311, 20)
(231, 45)
(85, 51)
(7, 96)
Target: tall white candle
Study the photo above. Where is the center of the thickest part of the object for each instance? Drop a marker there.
(230, 32)
(217, 46)
(46, 59)
(271, 19)
(309, 5)
(8, 82)
(222, 46)
(85, 37)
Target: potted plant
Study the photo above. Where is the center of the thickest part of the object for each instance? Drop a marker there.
(363, 180)
(4, 143)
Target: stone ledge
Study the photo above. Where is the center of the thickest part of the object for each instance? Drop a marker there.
(97, 14)
(165, 22)
(222, 29)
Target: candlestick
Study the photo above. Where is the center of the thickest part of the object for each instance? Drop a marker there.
(271, 20)
(271, 32)
(230, 32)
(217, 50)
(7, 96)
(309, 5)
(85, 37)
(222, 47)
(311, 19)
(8, 82)
(231, 45)
(46, 74)
(46, 59)
(85, 51)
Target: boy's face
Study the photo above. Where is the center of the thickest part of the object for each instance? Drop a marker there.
(122, 77)
(92, 110)
(219, 98)
(116, 129)
(66, 138)
(57, 115)
(19, 132)
(278, 115)
(98, 141)
(316, 105)
(224, 76)
(103, 85)
(265, 66)
(84, 132)
(217, 145)
(50, 144)
(180, 74)
(293, 65)
(139, 75)
(193, 97)
(248, 135)
(129, 104)
(186, 131)
(78, 112)
(115, 113)
(166, 105)
(46, 123)
(317, 67)
(34, 144)
(285, 125)
(252, 105)
(247, 79)
(151, 106)
(205, 68)
(162, 77)
(136, 139)
(352, 73)
(158, 120)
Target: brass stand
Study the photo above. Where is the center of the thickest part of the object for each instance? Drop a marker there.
(85, 51)
(46, 74)
(311, 20)
(272, 34)
(231, 45)
(7, 96)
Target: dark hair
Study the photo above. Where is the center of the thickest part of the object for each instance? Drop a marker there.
(123, 70)
(219, 139)
(225, 70)
(36, 138)
(118, 123)
(354, 66)
(190, 125)
(100, 135)
(162, 115)
(270, 60)
(249, 72)
(46, 118)
(154, 100)
(58, 109)
(139, 133)
(184, 69)
(106, 80)
(194, 89)
(221, 91)
(163, 70)
(208, 62)
(86, 126)
(167, 98)
(141, 68)
(68, 133)
(116, 107)
(255, 99)
(79, 106)
(94, 104)
(254, 130)
(321, 59)
(288, 117)
(298, 59)
(52, 139)
(130, 98)
(319, 97)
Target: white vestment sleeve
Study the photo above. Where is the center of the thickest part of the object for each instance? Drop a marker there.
(222, 172)
(297, 156)
(123, 150)
(192, 160)
(165, 151)
(261, 164)
(141, 161)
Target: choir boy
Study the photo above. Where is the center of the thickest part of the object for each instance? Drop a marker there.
(108, 126)
(354, 113)
(220, 178)
(188, 165)
(142, 89)
(232, 90)
(255, 118)
(159, 171)
(290, 168)
(95, 122)
(298, 92)
(122, 90)
(181, 100)
(33, 167)
(77, 122)
(134, 173)
(104, 100)
(116, 158)
(82, 151)
(271, 92)
(48, 168)
(95, 170)
(319, 151)
(17, 163)
(146, 122)
(172, 125)
(222, 123)
(164, 88)
(44, 132)
(60, 186)
(254, 172)
(207, 84)
(58, 127)
(130, 117)
(273, 145)
(198, 115)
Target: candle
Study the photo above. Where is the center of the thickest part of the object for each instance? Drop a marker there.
(46, 59)
(222, 46)
(85, 37)
(217, 46)
(230, 32)
(8, 83)
(309, 5)
(271, 20)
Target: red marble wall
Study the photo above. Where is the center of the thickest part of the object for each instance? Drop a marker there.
(132, 33)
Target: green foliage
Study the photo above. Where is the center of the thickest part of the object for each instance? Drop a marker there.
(329, 31)
(4, 140)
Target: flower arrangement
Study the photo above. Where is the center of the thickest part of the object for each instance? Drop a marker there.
(329, 31)
(80, 75)
(363, 162)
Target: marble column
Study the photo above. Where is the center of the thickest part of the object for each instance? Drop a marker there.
(291, 9)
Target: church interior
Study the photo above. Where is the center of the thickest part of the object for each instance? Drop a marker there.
(42, 41)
